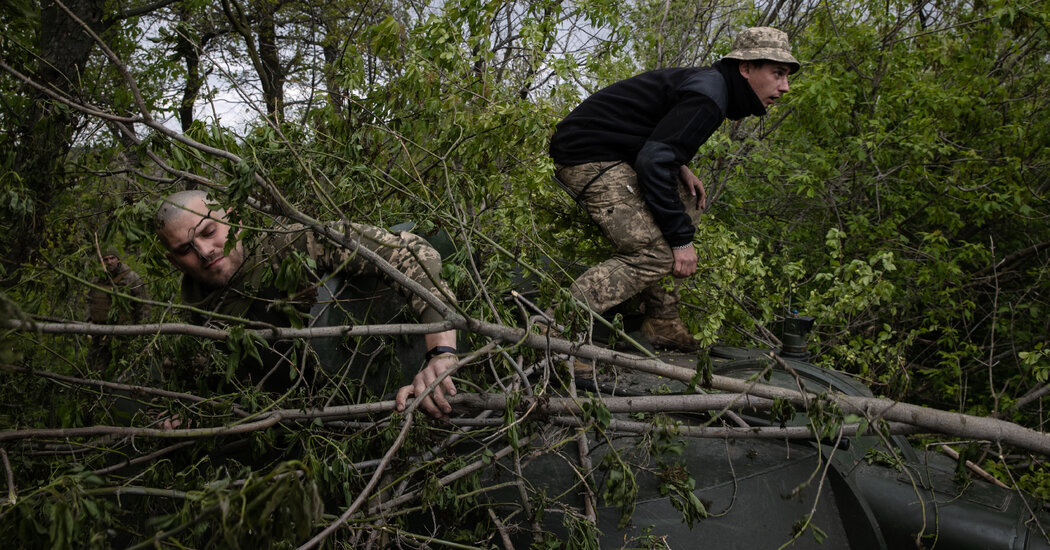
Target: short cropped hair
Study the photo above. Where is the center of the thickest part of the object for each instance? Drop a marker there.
(174, 205)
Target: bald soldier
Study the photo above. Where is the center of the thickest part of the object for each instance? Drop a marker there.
(623, 155)
(240, 281)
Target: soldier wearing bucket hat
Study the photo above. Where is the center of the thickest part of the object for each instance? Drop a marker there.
(622, 154)
(763, 44)
(118, 277)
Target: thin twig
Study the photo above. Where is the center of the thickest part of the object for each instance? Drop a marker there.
(582, 446)
(146, 390)
(12, 492)
(502, 529)
(144, 458)
(973, 467)
(376, 476)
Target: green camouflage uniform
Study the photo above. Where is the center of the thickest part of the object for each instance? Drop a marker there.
(272, 282)
(126, 281)
(277, 286)
(643, 258)
(101, 310)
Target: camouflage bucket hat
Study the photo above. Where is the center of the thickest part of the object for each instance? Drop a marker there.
(763, 43)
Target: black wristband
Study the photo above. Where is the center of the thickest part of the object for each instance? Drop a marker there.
(440, 350)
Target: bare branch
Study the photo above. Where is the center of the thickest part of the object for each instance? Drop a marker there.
(123, 387)
(12, 492)
(142, 10)
(872, 408)
(275, 333)
(367, 491)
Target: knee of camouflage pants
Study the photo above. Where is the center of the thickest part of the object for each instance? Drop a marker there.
(613, 199)
(610, 194)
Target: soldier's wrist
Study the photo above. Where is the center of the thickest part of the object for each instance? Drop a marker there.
(440, 350)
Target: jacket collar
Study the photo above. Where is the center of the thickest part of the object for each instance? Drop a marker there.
(742, 99)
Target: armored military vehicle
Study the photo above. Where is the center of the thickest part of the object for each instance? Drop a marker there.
(866, 491)
(660, 487)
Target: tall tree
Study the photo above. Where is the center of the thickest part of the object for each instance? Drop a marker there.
(50, 55)
(258, 30)
(56, 61)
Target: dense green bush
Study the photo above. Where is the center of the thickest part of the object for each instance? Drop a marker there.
(897, 193)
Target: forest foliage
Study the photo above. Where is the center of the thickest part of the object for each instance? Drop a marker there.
(898, 194)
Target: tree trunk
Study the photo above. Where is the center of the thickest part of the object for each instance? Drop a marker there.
(46, 132)
(271, 73)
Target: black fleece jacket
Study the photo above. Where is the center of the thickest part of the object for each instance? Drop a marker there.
(656, 121)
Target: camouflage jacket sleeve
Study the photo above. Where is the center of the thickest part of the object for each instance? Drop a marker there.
(407, 252)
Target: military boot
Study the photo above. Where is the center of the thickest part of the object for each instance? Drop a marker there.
(669, 334)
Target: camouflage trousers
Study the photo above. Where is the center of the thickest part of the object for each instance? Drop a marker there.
(642, 258)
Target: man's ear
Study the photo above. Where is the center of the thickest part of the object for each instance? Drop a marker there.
(745, 68)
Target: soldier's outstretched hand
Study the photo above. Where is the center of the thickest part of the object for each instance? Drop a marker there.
(436, 404)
